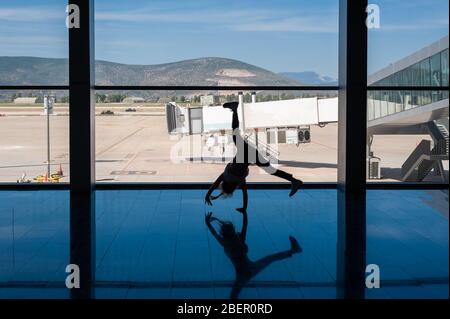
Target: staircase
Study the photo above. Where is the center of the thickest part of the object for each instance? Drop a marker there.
(424, 169)
(444, 132)
(424, 158)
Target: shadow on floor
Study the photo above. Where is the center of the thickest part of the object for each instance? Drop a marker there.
(236, 249)
(396, 174)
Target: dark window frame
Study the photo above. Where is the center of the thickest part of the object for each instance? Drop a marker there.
(152, 185)
(351, 186)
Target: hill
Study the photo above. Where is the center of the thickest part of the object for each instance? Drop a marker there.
(310, 77)
(209, 71)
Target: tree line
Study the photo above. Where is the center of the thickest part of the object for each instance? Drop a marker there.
(193, 99)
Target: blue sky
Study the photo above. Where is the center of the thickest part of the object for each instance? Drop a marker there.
(282, 35)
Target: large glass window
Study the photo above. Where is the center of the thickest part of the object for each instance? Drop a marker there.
(211, 43)
(154, 243)
(415, 69)
(170, 136)
(216, 43)
(34, 43)
(405, 27)
(426, 97)
(34, 142)
(408, 49)
(406, 76)
(435, 63)
(444, 67)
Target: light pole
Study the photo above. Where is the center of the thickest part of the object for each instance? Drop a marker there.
(48, 109)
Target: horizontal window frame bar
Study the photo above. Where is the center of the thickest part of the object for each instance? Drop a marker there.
(219, 88)
(187, 186)
(406, 186)
(217, 283)
(155, 186)
(33, 186)
(212, 88)
(34, 87)
(205, 186)
(407, 88)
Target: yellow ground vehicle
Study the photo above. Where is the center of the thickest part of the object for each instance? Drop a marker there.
(54, 178)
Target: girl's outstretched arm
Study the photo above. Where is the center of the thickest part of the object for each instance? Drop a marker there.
(208, 219)
(212, 188)
(244, 198)
(244, 226)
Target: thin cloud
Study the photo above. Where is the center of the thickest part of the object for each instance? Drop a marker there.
(197, 16)
(417, 26)
(33, 40)
(32, 14)
(234, 20)
(307, 25)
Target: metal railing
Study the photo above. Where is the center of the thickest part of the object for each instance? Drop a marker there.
(262, 147)
(410, 164)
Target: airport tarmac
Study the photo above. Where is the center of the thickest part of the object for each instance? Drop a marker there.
(137, 148)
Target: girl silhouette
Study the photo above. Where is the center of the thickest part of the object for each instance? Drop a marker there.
(235, 173)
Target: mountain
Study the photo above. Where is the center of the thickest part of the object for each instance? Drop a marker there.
(33, 71)
(310, 77)
(209, 71)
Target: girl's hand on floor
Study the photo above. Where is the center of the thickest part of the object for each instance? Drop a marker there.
(208, 200)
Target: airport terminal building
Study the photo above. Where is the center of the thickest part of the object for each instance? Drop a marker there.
(110, 215)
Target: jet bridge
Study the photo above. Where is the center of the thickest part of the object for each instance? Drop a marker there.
(284, 114)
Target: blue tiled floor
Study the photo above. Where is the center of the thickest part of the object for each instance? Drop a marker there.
(155, 244)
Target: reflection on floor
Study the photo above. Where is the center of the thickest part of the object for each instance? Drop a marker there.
(155, 244)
